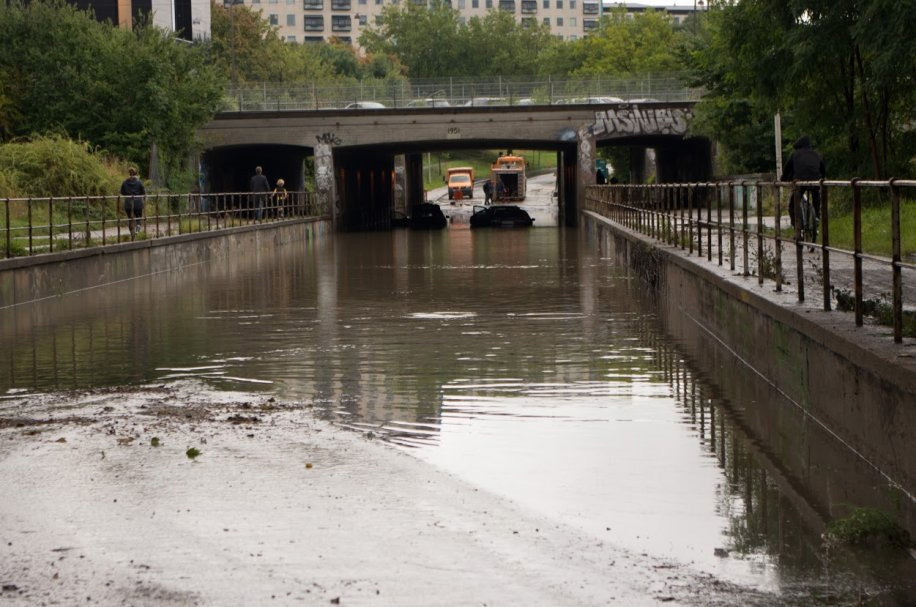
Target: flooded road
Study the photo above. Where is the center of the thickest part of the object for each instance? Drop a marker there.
(515, 360)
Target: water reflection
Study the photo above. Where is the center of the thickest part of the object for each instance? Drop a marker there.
(519, 360)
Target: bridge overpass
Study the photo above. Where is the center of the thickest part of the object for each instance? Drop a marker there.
(370, 162)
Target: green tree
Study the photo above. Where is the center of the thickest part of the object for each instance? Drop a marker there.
(842, 72)
(119, 89)
(497, 45)
(621, 46)
(429, 42)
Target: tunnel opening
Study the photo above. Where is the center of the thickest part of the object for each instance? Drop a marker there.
(228, 169)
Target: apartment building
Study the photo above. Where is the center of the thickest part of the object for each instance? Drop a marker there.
(190, 19)
(320, 20)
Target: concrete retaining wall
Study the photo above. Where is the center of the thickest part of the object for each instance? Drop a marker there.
(25, 280)
(833, 403)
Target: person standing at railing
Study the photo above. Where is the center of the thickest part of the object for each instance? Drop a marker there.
(280, 196)
(805, 164)
(133, 191)
(260, 188)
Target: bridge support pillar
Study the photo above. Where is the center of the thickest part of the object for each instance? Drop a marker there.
(325, 182)
(585, 166)
(414, 173)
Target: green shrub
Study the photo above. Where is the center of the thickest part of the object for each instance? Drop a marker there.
(868, 526)
(56, 166)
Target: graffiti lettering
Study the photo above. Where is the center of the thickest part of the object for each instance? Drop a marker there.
(329, 138)
(635, 121)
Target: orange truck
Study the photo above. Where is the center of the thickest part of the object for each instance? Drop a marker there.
(460, 182)
(507, 176)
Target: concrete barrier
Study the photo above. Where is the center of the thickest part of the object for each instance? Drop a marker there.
(834, 404)
(25, 280)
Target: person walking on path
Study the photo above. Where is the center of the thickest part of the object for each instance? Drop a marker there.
(805, 164)
(487, 191)
(133, 191)
(260, 187)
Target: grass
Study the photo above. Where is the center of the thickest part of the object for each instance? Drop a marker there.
(876, 230)
(868, 527)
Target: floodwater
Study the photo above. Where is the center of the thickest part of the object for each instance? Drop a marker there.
(519, 361)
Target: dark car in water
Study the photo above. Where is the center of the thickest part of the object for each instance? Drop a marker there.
(501, 216)
(427, 216)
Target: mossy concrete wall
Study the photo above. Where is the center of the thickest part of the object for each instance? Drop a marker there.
(834, 404)
(24, 280)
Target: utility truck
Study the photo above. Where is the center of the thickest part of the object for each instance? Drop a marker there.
(460, 182)
(507, 178)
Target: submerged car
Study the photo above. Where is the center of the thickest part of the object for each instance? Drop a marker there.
(501, 216)
(427, 216)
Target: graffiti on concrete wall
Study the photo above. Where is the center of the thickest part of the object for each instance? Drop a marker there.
(636, 121)
(324, 175)
(329, 138)
(586, 152)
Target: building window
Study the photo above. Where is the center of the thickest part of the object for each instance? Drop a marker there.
(272, 19)
(379, 19)
(572, 4)
(547, 21)
(529, 6)
(290, 38)
(363, 20)
(572, 22)
(340, 5)
(341, 23)
(559, 21)
(475, 3)
(546, 3)
(313, 39)
(313, 23)
(507, 5)
(291, 20)
(589, 8)
(313, 5)
(489, 3)
(589, 24)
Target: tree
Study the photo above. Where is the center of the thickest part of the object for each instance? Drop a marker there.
(842, 72)
(119, 89)
(623, 46)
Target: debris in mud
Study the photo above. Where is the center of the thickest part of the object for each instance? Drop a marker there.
(125, 441)
(192, 452)
(308, 466)
(242, 419)
(10, 588)
(154, 442)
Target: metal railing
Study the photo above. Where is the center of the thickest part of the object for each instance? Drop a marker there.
(727, 221)
(32, 226)
(273, 96)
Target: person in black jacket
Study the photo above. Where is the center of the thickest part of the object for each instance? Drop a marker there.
(260, 187)
(805, 164)
(133, 191)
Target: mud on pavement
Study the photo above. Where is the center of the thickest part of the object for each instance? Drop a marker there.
(103, 504)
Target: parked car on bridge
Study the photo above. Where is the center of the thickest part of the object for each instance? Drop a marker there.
(429, 102)
(501, 216)
(485, 101)
(365, 105)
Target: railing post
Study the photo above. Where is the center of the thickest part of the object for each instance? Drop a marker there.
(29, 207)
(731, 226)
(825, 244)
(777, 243)
(719, 220)
(51, 224)
(759, 197)
(895, 263)
(708, 222)
(745, 237)
(799, 248)
(9, 232)
(857, 248)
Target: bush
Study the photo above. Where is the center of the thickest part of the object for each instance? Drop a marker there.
(56, 166)
(868, 527)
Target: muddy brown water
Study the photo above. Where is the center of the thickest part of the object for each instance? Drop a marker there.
(518, 360)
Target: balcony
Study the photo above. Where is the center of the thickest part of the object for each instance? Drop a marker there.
(313, 5)
(341, 24)
(529, 7)
(507, 5)
(313, 24)
(340, 5)
(589, 24)
(590, 8)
